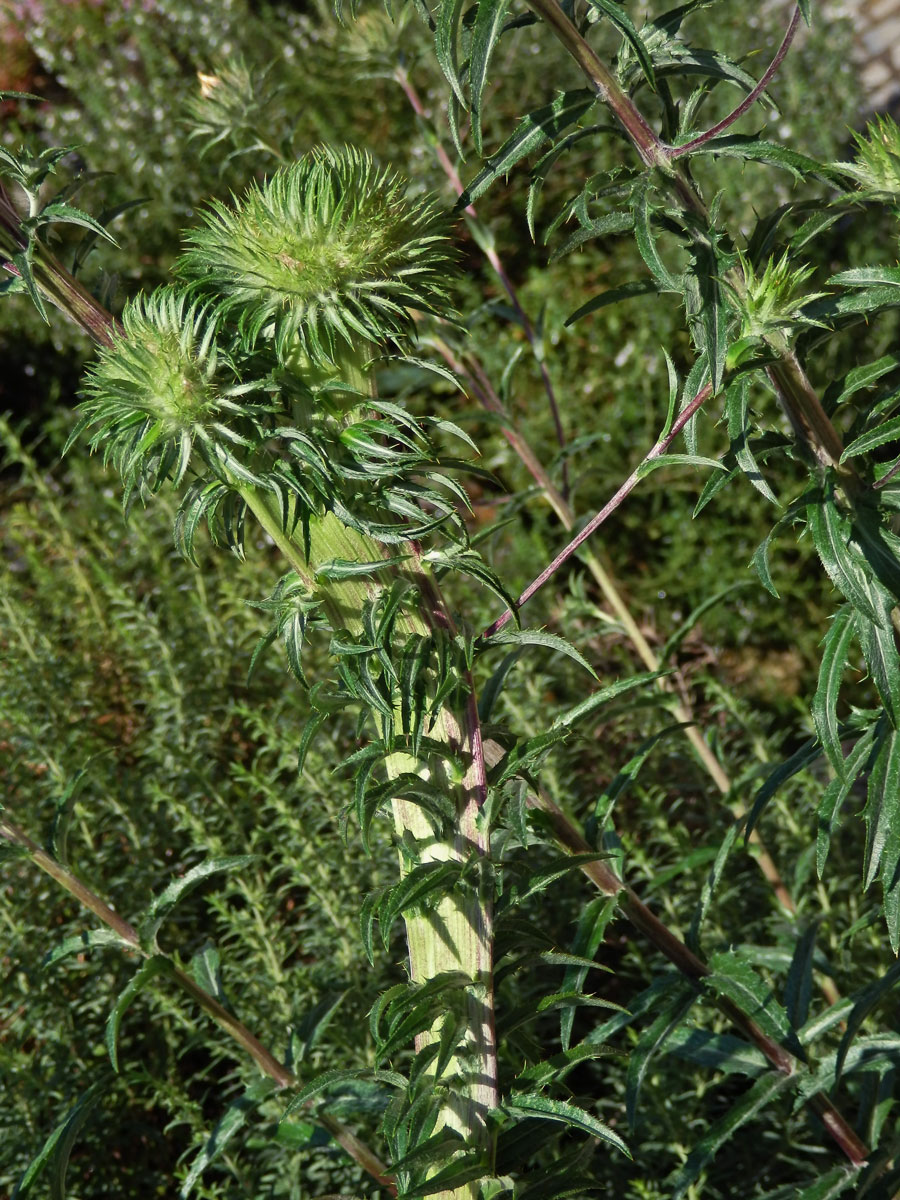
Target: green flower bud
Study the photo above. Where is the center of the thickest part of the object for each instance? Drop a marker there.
(163, 386)
(327, 254)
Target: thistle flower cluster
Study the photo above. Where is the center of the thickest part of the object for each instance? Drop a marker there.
(247, 372)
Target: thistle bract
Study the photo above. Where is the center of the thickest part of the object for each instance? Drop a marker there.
(329, 253)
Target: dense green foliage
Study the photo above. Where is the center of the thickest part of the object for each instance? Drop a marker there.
(133, 742)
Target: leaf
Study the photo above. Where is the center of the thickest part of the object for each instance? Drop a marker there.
(867, 276)
(446, 39)
(798, 985)
(206, 970)
(737, 404)
(758, 1097)
(646, 243)
(159, 909)
(836, 1181)
(749, 146)
(642, 287)
(623, 23)
(146, 973)
(537, 637)
(836, 793)
(604, 696)
(873, 438)
(799, 761)
(339, 568)
(717, 1051)
(733, 977)
(533, 1104)
(533, 130)
(882, 812)
(677, 460)
(880, 651)
(62, 816)
(864, 376)
(651, 1043)
(834, 663)
(831, 532)
(591, 928)
(710, 883)
(231, 1122)
(54, 1154)
(79, 943)
(488, 25)
(611, 223)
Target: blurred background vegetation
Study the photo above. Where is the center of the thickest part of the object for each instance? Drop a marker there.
(125, 667)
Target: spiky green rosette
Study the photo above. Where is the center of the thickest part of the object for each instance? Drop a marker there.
(164, 391)
(327, 252)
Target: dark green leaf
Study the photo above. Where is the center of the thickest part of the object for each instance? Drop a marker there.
(79, 943)
(643, 287)
(488, 25)
(759, 1096)
(231, 1122)
(533, 1104)
(733, 977)
(533, 130)
(834, 663)
(798, 986)
(54, 1154)
(146, 973)
(650, 1043)
(162, 906)
(537, 637)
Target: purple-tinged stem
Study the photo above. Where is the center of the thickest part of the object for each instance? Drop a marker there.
(608, 509)
(748, 101)
(499, 270)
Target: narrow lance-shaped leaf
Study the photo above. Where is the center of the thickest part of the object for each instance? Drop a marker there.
(146, 973)
(533, 130)
(53, 1157)
(831, 671)
(232, 1121)
(759, 1097)
(651, 1043)
(160, 908)
(488, 25)
(533, 1104)
(733, 976)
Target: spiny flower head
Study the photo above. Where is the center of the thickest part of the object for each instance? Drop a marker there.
(160, 390)
(772, 299)
(877, 165)
(327, 254)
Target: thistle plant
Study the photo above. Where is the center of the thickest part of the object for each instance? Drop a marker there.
(248, 385)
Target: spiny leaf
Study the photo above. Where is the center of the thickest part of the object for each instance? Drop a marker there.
(836, 793)
(537, 637)
(81, 942)
(588, 936)
(160, 908)
(646, 243)
(651, 1043)
(864, 1002)
(759, 1096)
(733, 976)
(834, 663)
(533, 130)
(798, 985)
(488, 25)
(642, 287)
(146, 973)
(231, 1122)
(623, 23)
(55, 1152)
(533, 1104)
(831, 533)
